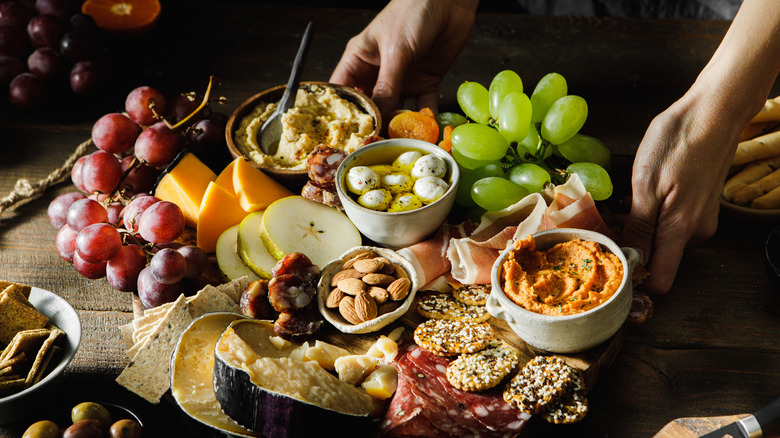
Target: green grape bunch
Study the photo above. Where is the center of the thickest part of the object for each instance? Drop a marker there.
(510, 145)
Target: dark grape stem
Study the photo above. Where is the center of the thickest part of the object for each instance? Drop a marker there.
(206, 97)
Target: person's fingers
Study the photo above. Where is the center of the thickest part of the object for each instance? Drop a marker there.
(428, 100)
(389, 82)
(639, 228)
(665, 258)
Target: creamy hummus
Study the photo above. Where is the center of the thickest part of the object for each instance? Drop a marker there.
(569, 278)
(320, 116)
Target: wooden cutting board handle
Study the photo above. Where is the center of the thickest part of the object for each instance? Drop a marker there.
(693, 427)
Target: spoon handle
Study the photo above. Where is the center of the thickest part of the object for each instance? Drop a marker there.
(288, 98)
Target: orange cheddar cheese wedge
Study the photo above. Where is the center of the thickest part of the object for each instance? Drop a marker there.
(255, 190)
(184, 184)
(225, 178)
(219, 211)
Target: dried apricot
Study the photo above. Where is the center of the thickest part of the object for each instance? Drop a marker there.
(414, 124)
(446, 141)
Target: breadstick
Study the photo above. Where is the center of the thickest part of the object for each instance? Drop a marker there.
(747, 194)
(770, 201)
(760, 147)
(750, 174)
(770, 111)
(753, 130)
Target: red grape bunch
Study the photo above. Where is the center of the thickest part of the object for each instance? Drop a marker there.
(112, 226)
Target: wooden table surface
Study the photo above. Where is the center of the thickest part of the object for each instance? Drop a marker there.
(713, 345)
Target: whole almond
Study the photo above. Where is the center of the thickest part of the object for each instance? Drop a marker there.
(399, 288)
(334, 298)
(365, 307)
(368, 265)
(377, 279)
(379, 294)
(399, 272)
(358, 256)
(346, 273)
(352, 286)
(389, 267)
(347, 310)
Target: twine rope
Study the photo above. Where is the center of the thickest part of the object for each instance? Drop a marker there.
(25, 191)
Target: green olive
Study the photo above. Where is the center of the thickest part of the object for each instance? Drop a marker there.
(42, 429)
(125, 429)
(89, 428)
(91, 410)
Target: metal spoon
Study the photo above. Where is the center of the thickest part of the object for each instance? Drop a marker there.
(271, 131)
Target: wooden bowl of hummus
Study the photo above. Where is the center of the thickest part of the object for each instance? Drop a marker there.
(324, 113)
(563, 290)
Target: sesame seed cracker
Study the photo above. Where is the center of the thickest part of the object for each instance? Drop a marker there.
(483, 369)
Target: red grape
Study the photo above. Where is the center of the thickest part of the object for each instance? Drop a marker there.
(87, 78)
(101, 172)
(142, 105)
(26, 91)
(66, 243)
(78, 45)
(75, 174)
(16, 13)
(84, 212)
(134, 209)
(13, 41)
(10, 67)
(58, 208)
(60, 8)
(153, 293)
(181, 106)
(168, 266)
(83, 22)
(139, 180)
(197, 260)
(115, 133)
(162, 222)
(115, 210)
(98, 242)
(45, 30)
(158, 145)
(93, 271)
(122, 270)
(46, 63)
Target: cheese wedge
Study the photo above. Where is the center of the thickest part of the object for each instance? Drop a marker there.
(218, 211)
(184, 185)
(255, 190)
(225, 178)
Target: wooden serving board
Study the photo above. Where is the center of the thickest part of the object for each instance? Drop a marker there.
(692, 427)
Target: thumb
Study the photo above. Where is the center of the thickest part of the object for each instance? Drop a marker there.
(639, 229)
(389, 82)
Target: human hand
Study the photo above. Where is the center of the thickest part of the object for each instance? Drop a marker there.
(406, 51)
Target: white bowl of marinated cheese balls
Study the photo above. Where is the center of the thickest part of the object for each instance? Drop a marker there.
(397, 192)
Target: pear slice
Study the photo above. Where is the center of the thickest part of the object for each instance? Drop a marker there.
(229, 262)
(251, 248)
(296, 224)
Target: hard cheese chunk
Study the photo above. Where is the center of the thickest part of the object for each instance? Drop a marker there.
(184, 185)
(225, 178)
(255, 190)
(219, 211)
(382, 382)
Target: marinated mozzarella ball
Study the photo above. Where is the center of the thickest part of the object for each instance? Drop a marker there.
(397, 183)
(382, 169)
(430, 188)
(405, 202)
(429, 165)
(377, 199)
(361, 179)
(405, 161)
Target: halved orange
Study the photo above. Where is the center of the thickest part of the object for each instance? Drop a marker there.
(127, 17)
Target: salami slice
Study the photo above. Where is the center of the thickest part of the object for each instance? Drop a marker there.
(405, 415)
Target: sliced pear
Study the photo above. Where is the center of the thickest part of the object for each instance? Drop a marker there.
(295, 224)
(229, 262)
(251, 248)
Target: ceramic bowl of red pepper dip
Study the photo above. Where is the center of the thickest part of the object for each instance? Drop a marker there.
(563, 290)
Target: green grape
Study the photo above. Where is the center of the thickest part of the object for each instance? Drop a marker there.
(503, 83)
(474, 214)
(549, 89)
(468, 163)
(479, 142)
(451, 119)
(595, 179)
(467, 180)
(585, 148)
(495, 193)
(473, 100)
(564, 119)
(531, 141)
(514, 117)
(530, 176)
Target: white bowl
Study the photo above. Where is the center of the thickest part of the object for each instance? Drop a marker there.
(61, 314)
(566, 333)
(397, 229)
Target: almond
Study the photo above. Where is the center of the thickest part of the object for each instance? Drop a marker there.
(368, 265)
(399, 288)
(399, 272)
(379, 294)
(347, 310)
(365, 307)
(334, 298)
(389, 267)
(346, 273)
(352, 286)
(377, 279)
(358, 256)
